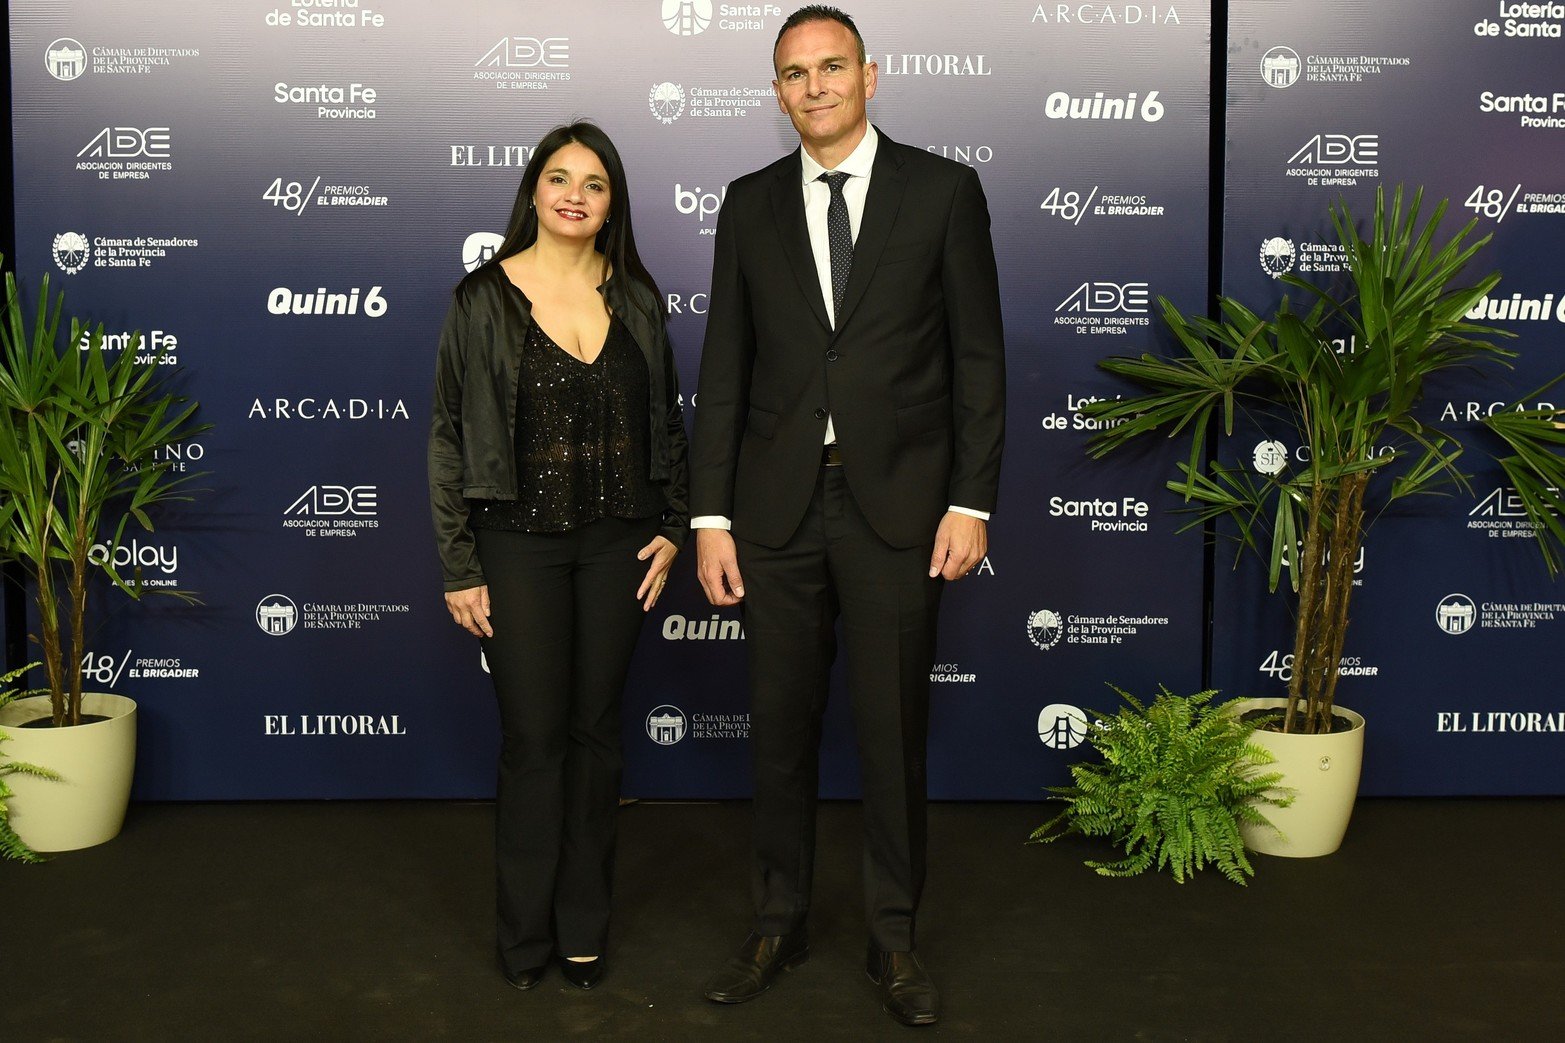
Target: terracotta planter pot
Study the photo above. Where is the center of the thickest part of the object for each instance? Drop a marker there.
(1324, 772)
(95, 761)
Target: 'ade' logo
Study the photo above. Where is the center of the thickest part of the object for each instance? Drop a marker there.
(1105, 297)
(1362, 150)
(129, 143)
(335, 501)
(527, 52)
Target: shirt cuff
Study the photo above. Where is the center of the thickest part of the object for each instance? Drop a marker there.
(980, 515)
(711, 521)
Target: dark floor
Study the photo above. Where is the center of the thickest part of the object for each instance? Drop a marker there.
(372, 921)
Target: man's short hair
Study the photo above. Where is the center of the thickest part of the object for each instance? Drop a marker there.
(820, 13)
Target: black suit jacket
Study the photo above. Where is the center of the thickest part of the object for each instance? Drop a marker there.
(913, 376)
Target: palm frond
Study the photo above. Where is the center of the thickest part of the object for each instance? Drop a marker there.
(80, 435)
(1406, 304)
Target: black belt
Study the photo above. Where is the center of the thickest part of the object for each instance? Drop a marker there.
(831, 456)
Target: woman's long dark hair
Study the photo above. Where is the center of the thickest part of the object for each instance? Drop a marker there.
(616, 240)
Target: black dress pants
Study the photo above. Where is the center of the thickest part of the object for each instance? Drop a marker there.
(835, 564)
(565, 619)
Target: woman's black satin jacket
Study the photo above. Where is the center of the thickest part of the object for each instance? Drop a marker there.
(472, 431)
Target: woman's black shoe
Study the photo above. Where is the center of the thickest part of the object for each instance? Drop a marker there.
(583, 974)
(524, 979)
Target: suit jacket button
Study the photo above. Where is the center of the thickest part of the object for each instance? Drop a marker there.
(831, 355)
(820, 414)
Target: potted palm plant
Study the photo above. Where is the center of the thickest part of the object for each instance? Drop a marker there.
(80, 437)
(1403, 307)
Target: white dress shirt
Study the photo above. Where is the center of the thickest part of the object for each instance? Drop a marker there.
(817, 197)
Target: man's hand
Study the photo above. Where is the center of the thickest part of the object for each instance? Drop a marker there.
(470, 608)
(960, 543)
(717, 566)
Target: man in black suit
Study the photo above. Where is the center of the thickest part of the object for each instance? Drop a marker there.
(846, 456)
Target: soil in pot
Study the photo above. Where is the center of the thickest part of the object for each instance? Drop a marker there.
(48, 722)
(1273, 718)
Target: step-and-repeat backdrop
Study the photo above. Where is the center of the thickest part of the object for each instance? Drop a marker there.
(282, 193)
(1456, 626)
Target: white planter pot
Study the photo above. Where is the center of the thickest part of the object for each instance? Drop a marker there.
(95, 762)
(1324, 772)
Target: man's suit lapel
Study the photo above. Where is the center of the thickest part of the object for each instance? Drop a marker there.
(886, 184)
(788, 205)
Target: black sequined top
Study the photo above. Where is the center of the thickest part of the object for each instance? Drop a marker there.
(582, 443)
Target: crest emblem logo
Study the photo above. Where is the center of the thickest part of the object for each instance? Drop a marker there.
(1045, 628)
(1456, 614)
(667, 101)
(666, 725)
(1270, 457)
(1277, 256)
(276, 614)
(71, 250)
(1280, 67)
(65, 58)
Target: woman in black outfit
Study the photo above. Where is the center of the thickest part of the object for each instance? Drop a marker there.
(557, 479)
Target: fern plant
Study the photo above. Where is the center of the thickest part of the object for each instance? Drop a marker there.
(1177, 779)
(11, 845)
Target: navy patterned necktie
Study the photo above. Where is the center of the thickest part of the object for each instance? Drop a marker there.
(839, 233)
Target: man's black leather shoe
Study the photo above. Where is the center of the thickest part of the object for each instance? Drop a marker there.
(583, 974)
(751, 970)
(906, 992)
(524, 979)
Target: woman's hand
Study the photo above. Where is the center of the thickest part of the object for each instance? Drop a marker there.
(470, 608)
(662, 552)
